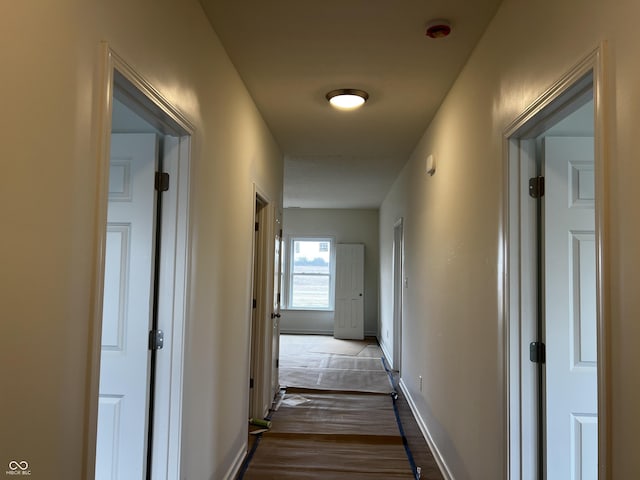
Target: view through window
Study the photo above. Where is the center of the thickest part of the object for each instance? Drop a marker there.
(311, 274)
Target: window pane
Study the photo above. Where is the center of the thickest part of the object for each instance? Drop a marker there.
(311, 257)
(310, 291)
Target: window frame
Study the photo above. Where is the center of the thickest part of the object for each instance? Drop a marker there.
(287, 281)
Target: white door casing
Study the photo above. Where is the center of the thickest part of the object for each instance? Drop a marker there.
(166, 430)
(127, 308)
(570, 309)
(263, 330)
(583, 82)
(349, 304)
(398, 282)
(256, 344)
(120, 81)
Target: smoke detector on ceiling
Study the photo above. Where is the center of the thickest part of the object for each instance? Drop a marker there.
(438, 28)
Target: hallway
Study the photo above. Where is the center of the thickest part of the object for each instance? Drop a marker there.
(338, 418)
(436, 149)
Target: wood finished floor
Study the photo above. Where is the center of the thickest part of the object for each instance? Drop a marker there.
(297, 348)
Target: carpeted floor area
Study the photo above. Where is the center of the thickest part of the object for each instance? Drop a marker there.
(336, 419)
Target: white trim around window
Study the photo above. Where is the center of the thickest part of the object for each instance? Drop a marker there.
(309, 276)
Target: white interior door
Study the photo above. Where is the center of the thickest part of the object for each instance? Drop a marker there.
(275, 334)
(127, 311)
(570, 309)
(349, 305)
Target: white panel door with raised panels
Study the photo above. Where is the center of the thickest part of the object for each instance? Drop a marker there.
(126, 319)
(349, 304)
(570, 310)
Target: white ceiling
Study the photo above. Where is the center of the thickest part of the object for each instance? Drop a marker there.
(291, 53)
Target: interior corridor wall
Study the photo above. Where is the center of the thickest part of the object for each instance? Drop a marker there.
(346, 226)
(453, 332)
(50, 57)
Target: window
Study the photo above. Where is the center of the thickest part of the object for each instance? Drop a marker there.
(310, 282)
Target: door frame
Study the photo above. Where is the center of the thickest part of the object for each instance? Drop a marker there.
(518, 286)
(113, 70)
(277, 304)
(262, 285)
(398, 291)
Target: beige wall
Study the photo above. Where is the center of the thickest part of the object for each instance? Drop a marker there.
(452, 228)
(49, 57)
(346, 226)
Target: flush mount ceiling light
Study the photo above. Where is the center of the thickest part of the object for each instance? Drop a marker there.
(347, 98)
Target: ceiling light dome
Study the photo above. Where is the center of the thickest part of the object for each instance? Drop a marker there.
(347, 98)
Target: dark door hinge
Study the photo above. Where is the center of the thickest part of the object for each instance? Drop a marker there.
(277, 363)
(254, 304)
(536, 187)
(156, 339)
(257, 226)
(251, 383)
(537, 352)
(162, 181)
(278, 299)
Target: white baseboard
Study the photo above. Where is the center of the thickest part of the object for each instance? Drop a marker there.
(297, 331)
(387, 354)
(237, 463)
(444, 469)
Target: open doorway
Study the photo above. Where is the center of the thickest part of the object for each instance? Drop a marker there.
(142, 280)
(265, 312)
(555, 327)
